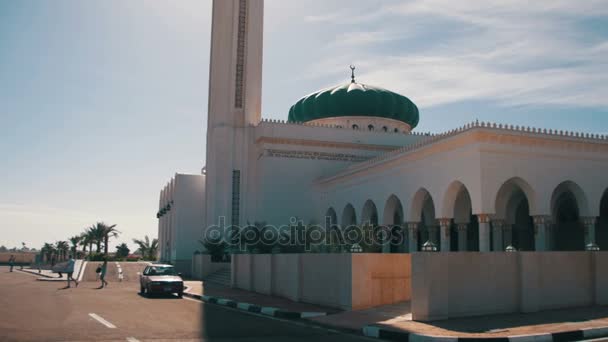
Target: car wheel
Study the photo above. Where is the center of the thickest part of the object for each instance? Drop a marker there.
(180, 294)
(141, 289)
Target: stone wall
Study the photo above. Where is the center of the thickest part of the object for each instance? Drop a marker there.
(202, 266)
(345, 281)
(20, 258)
(448, 285)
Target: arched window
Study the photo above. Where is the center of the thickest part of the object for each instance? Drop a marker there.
(355, 126)
(385, 129)
(396, 130)
(370, 127)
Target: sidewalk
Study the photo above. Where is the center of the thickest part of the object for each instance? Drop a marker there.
(395, 321)
(254, 302)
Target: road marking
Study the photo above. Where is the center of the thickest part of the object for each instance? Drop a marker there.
(102, 321)
(132, 339)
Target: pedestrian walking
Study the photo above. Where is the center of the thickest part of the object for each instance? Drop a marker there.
(70, 271)
(11, 262)
(102, 273)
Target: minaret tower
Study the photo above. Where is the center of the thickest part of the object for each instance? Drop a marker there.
(235, 100)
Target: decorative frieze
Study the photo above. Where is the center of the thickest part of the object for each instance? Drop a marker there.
(541, 219)
(462, 227)
(483, 218)
(314, 155)
(589, 221)
(413, 225)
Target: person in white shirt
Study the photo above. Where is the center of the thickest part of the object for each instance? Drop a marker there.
(70, 271)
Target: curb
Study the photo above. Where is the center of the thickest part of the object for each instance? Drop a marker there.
(264, 310)
(38, 274)
(563, 336)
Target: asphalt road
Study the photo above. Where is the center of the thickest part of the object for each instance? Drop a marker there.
(31, 310)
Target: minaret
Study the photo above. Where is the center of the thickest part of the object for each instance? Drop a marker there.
(235, 99)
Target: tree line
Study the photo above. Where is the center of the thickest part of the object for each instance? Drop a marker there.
(94, 243)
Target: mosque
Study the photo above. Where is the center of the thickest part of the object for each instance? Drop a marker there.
(350, 155)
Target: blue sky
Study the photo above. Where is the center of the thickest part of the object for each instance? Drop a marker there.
(102, 101)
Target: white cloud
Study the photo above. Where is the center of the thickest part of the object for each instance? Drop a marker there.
(516, 52)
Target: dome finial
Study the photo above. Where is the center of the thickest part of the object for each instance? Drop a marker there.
(352, 74)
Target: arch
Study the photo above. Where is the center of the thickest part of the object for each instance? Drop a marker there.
(349, 216)
(331, 218)
(420, 197)
(393, 219)
(457, 202)
(578, 193)
(423, 210)
(506, 192)
(393, 209)
(568, 205)
(370, 127)
(369, 214)
(385, 129)
(355, 127)
(514, 204)
(601, 228)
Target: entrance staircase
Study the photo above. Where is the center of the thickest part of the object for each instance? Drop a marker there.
(221, 277)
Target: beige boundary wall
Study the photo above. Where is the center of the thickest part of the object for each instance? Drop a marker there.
(20, 257)
(448, 285)
(202, 266)
(345, 281)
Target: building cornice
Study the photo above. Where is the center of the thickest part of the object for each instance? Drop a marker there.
(325, 143)
(481, 132)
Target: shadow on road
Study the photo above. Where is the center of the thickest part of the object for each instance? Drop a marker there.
(158, 296)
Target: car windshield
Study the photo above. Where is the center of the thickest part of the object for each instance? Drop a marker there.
(161, 270)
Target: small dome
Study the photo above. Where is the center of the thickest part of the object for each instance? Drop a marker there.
(354, 99)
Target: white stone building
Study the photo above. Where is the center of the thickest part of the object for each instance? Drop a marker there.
(180, 220)
(350, 155)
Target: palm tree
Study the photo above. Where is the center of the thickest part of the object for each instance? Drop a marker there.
(97, 232)
(62, 249)
(47, 251)
(85, 242)
(148, 249)
(75, 241)
(108, 232)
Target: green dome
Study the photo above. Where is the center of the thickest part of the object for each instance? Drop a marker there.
(354, 99)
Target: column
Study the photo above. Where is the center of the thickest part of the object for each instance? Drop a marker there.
(497, 231)
(540, 233)
(433, 234)
(507, 234)
(484, 232)
(589, 223)
(387, 239)
(549, 236)
(444, 224)
(462, 236)
(412, 228)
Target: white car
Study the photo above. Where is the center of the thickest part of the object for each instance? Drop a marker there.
(161, 279)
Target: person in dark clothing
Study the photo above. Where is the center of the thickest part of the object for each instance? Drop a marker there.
(11, 262)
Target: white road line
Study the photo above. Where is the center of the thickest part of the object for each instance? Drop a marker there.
(102, 321)
(132, 339)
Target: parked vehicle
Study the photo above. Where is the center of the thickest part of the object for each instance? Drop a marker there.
(161, 279)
